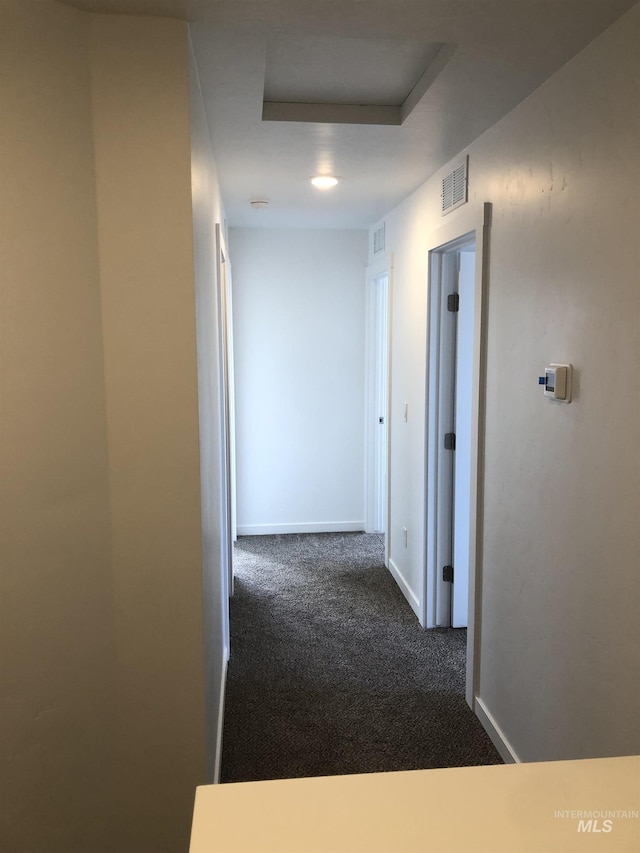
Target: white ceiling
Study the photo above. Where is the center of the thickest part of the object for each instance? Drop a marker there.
(334, 69)
(364, 52)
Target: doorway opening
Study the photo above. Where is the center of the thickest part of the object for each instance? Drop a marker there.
(457, 273)
(227, 420)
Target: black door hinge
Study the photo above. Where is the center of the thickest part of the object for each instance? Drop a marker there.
(453, 302)
(447, 574)
(450, 441)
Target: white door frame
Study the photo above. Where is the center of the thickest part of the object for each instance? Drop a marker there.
(228, 286)
(377, 458)
(226, 426)
(462, 229)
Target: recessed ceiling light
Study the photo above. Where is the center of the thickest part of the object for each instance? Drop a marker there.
(324, 182)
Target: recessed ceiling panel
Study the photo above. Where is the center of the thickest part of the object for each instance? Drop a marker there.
(335, 70)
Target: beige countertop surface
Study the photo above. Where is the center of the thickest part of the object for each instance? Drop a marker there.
(557, 806)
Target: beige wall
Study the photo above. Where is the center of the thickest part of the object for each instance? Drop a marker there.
(559, 630)
(143, 169)
(103, 697)
(560, 634)
(56, 619)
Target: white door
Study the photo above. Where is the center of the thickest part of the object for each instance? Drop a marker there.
(452, 326)
(376, 408)
(446, 436)
(382, 383)
(462, 428)
(377, 384)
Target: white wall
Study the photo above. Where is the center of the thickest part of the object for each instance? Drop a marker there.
(299, 312)
(559, 629)
(207, 211)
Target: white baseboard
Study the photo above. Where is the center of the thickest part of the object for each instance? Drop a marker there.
(507, 752)
(218, 756)
(408, 593)
(309, 527)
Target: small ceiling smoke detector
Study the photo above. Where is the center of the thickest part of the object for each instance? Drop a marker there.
(324, 182)
(258, 204)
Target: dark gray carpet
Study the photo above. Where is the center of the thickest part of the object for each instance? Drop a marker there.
(330, 672)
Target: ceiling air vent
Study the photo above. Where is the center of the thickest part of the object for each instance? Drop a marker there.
(378, 240)
(454, 187)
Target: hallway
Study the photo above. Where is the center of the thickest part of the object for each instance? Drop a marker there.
(330, 672)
